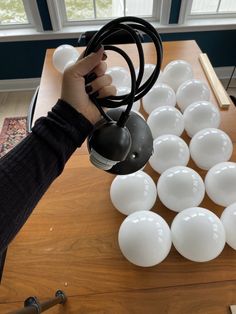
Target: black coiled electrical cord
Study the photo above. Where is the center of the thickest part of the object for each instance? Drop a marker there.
(131, 25)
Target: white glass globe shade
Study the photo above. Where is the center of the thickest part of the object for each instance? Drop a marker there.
(169, 151)
(166, 120)
(133, 192)
(190, 92)
(179, 188)
(64, 56)
(210, 146)
(158, 96)
(201, 115)
(228, 219)
(177, 72)
(120, 77)
(148, 70)
(198, 234)
(144, 238)
(220, 183)
(124, 91)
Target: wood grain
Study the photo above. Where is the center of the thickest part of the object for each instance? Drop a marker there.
(70, 240)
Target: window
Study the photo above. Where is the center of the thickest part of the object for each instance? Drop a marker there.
(12, 12)
(79, 11)
(215, 7)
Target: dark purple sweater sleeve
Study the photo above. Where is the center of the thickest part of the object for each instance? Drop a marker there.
(27, 170)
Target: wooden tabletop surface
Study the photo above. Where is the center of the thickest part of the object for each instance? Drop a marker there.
(70, 240)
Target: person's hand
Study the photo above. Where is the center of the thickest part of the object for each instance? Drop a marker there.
(74, 91)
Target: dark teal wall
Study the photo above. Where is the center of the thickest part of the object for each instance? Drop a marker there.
(25, 59)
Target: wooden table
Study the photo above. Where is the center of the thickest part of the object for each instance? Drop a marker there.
(70, 241)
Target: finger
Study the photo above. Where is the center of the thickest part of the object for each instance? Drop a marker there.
(87, 64)
(100, 82)
(106, 91)
(100, 69)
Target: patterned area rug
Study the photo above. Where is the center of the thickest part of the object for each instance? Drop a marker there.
(13, 131)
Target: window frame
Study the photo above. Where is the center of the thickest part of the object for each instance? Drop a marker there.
(33, 16)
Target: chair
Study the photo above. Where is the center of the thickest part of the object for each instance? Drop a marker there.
(31, 110)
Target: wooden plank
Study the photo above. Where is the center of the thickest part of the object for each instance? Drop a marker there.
(218, 89)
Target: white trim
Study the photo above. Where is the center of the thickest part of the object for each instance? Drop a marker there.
(19, 84)
(165, 12)
(184, 10)
(54, 13)
(224, 72)
(33, 15)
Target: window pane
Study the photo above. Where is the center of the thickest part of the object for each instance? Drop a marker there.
(204, 6)
(79, 9)
(227, 6)
(12, 12)
(105, 9)
(139, 7)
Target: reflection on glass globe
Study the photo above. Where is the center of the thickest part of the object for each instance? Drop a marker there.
(198, 234)
(124, 91)
(133, 192)
(166, 120)
(190, 92)
(210, 146)
(148, 70)
(169, 151)
(120, 77)
(177, 72)
(180, 187)
(144, 238)
(158, 96)
(201, 115)
(228, 219)
(220, 183)
(64, 56)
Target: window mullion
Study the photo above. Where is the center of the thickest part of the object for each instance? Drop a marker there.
(95, 9)
(124, 3)
(218, 6)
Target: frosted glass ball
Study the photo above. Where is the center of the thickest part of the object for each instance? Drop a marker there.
(64, 56)
(228, 219)
(180, 187)
(158, 96)
(148, 70)
(124, 91)
(169, 151)
(198, 234)
(166, 120)
(133, 192)
(191, 91)
(220, 183)
(201, 115)
(177, 72)
(144, 238)
(210, 146)
(120, 77)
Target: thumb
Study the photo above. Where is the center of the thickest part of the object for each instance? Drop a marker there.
(85, 65)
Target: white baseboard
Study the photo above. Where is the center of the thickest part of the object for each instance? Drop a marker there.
(224, 72)
(19, 84)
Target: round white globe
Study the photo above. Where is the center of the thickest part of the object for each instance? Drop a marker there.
(201, 115)
(198, 234)
(220, 183)
(64, 56)
(169, 151)
(228, 219)
(158, 96)
(191, 91)
(177, 72)
(179, 188)
(133, 192)
(124, 91)
(148, 70)
(166, 120)
(144, 238)
(120, 77)
(210, 146)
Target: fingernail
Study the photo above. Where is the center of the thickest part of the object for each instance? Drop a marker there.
(88, 89)
(104, 56)
(98, 48)
(92, 76)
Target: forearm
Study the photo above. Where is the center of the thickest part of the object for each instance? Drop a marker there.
(27, 171)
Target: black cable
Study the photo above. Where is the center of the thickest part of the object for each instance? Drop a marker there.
(133, 26)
